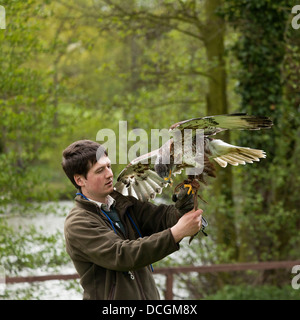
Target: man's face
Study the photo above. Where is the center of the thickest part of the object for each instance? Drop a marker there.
(99, 180)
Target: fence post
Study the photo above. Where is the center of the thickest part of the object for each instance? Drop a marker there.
(169, 286)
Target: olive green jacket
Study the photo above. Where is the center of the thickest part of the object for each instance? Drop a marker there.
(112, 265)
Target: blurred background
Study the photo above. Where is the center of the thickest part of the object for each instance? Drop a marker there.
(71, 68)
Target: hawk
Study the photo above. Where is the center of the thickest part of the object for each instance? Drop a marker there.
(147, 175)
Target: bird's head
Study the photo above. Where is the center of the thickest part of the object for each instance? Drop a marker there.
(164, 171)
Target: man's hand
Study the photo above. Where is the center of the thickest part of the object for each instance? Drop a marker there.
(188, 225)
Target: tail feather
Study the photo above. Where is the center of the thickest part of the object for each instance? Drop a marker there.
(221, 162)
(241, 159)
(224, 153)
(252, 152)
(230, 159)
(241, 156)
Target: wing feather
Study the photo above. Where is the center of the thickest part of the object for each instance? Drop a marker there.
(138, 191)
(131, 192)
(139, 179)
(155, 187)
(214, 124)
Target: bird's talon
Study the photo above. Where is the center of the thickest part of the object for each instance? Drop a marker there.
(190, 188)
(169, 177)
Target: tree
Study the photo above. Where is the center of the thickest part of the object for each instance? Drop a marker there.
(30, 90)
(213, 35)
(162, 79)
(23, 101)
(261, 48)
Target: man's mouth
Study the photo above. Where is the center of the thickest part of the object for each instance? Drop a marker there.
(109, 183)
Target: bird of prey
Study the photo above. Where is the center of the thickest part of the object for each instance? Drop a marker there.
(146, 176)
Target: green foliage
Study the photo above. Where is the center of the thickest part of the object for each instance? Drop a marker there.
(247, 292)
(260, 51)
(44, 291)
(267, 218)
(27, 114)
(30, 250)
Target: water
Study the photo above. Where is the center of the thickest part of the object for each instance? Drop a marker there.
(48, 222)
(50, 217)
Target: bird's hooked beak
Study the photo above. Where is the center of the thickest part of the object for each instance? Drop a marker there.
(169, 179)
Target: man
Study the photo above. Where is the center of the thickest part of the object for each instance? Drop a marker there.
(112, 239)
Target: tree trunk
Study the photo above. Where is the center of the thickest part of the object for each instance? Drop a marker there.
(213, 35)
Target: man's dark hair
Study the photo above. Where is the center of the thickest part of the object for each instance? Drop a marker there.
(79, 157)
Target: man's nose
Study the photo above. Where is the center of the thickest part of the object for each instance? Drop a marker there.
(109, 173)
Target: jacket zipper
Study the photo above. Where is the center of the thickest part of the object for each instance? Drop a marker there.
(112, 292)
(134, 276)
(140, 287)
(131, 275)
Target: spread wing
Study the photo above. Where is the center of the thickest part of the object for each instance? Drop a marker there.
(220, 151)
(214, 124)
(138, 178)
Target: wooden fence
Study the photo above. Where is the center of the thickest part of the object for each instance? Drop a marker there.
(169, 272)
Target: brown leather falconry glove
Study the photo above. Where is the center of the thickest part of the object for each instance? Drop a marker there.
(183, 202)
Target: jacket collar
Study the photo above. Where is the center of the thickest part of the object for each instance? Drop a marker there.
(111, 202)
(122, 203)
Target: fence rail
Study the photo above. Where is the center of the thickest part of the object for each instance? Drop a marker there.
(169, 272)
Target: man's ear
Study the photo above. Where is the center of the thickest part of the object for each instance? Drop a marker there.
(79, 180)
